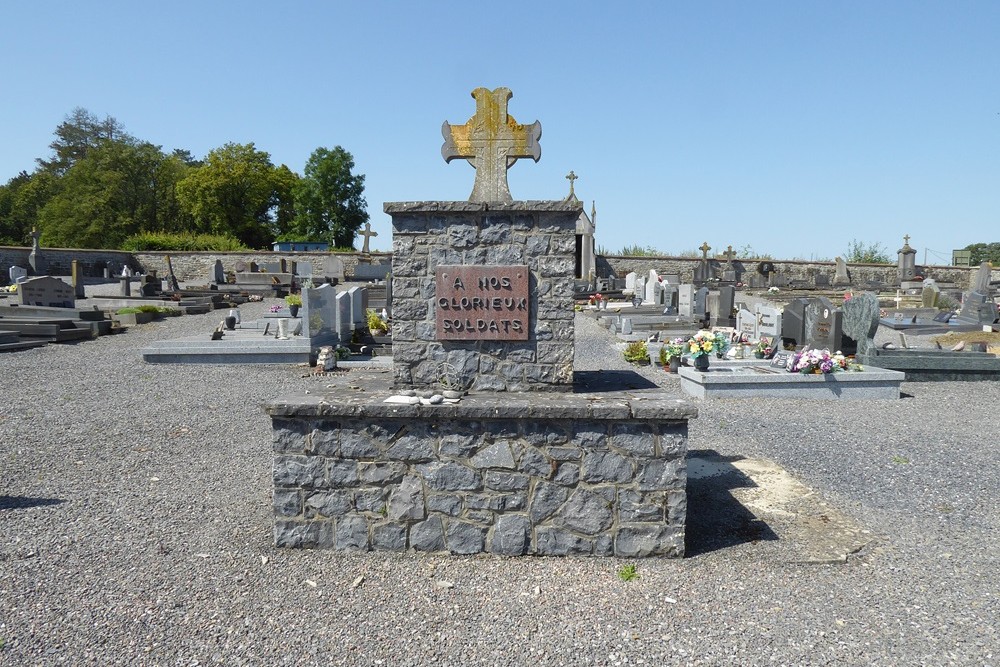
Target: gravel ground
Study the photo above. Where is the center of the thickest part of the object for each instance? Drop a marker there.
(136, 530)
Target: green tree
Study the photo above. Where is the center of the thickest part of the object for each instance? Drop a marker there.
(984, 252)
(77, 135)
(873, 253)
(116, 190)
(329, 199)
(235, 192)
(20, 200)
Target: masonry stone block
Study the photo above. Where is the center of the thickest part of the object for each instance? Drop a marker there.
(330, 503)
(546, 499)
(389, 537)
(604, 466)
(510, 535)
(352, 533)
(465, 538)
(450, 476)
(586, 512)
(407, 500)
(428, 535)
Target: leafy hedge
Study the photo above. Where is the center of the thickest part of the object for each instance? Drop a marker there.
(183, 241)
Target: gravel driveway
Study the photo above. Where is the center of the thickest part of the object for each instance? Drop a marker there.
(135, 517)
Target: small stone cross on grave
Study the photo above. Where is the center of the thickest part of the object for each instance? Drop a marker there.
(704, 250)
(367, 233)
(492, 142)
(729, 254)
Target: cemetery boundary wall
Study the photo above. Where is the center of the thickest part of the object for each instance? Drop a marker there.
(196, 266)
(510, 478)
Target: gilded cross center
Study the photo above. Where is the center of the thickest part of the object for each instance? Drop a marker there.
(492, 141)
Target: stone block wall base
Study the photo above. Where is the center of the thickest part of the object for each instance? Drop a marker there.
(562, 476)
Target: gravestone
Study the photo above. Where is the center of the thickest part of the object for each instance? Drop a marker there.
(46, 291)
(841, 277)
(727, 301)
(669, 299)
(729, 274)
(359, 307)
(671, 278)
(218, 273)
(304, 269)
(367, 233)
(319, 315)
(333, 268)
(640, 288)
(685, 300)
(981, 281)
(240, 266)
(35, 260)
(793, 320)
(768, 321)
(703, 272)
(345, 322)
(907, 266)
(492, 142)
(821, 280)
(369, 272)
(746, 323)
(630, 281)
(861, 318)
(823, 325)
(652, 283)
(79, 290)
(929, 293)
(701, 302)
(17, 274)
(271, 267)
(977, 308)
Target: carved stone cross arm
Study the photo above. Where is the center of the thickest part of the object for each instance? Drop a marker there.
(491, 141)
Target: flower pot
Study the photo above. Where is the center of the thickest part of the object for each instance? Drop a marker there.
(230, 322)
(701, 363)
(293, 311)
(758, 354)
(674, 365)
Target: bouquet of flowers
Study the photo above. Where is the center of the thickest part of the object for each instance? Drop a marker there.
(815, 362)
(705, 342)
(596, 298)
(275, 308)
(764, 348)
(671, 348)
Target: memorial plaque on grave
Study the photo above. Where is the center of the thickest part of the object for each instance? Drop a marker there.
(782, 358)
(481, 302)
(746, 323)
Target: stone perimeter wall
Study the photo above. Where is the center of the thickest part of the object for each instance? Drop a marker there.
(197, 266)
(469, 485)
(541, 235)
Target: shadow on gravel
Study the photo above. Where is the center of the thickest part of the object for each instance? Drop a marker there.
(587, 382)
(20, 502)
(715, 519)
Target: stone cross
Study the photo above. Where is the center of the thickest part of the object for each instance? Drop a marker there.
(492, 142)
(367, 233)
(729, 254)
(906, 239)
(571, 177)
(704, 250)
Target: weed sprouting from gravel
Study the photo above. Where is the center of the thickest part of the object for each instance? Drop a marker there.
(628, 572)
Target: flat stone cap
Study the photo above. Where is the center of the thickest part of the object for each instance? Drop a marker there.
(352, 396)
(392, 207)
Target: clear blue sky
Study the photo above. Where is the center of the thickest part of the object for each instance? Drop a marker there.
(791, 127)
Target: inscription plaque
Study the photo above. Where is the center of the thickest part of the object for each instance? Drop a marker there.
(481, 302)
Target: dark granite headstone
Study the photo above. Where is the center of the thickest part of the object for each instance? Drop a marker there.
(978, 308)
(702, 273)
(727, 301)
(982, 280)
(943, 316)
(793, 321)
(861, 320)
(821, 280)
(700, 301)
(218, 273)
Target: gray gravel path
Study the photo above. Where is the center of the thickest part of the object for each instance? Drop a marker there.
(136, 530)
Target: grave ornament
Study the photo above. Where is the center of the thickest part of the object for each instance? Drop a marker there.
(491, 141)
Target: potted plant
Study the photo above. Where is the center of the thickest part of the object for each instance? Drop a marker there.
(637, 353)
(764, 348)
(703, 343)
(294, 302)
(670, 355)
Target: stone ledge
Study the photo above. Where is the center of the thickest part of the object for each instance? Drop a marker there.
(476, 207)
(550, 405)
